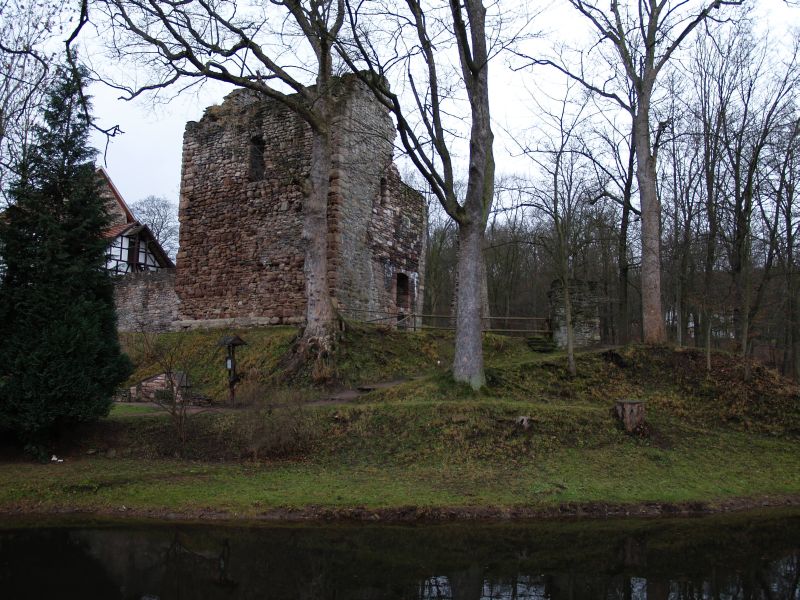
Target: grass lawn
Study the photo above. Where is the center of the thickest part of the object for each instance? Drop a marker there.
(429, 444)
(724, 466)
(124, 409)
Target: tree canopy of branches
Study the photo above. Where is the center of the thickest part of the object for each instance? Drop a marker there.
(561, 195)
(429, 32)
(642, 36)
(185, 43)
(24, 28)
(161, 217)
(707, 145)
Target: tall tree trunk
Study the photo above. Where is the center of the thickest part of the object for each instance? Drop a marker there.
(468, 28)
(741, 270)
(682, 283)
(320, 314)
(709, 171)
(571, 367)
(652, 317)
(623, 315)
(707, 322)
(744, 318)
(795, 335)
(485, 310)
(678, 313)
(468, 361)
(791, 365)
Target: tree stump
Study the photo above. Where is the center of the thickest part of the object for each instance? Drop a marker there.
(630, 413)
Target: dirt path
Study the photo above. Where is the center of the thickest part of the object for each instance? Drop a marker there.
(339, 397)
(348, 395)
(417, 514)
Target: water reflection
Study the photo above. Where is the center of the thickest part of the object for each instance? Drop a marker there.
(753, 558)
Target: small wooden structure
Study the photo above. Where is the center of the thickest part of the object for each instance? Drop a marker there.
(231, 342)
(630, 413)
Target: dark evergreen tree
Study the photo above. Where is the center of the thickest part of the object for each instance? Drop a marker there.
(60, 359)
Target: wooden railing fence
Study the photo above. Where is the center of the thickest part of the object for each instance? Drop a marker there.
(521, 326)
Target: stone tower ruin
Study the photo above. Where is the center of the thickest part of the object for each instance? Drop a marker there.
(241, 254)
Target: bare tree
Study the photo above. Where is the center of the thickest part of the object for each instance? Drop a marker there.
(505, 252)
(169, 355)
(643, 36)
(761, 97)
(562, 194)
(612, 158)
(416, 39)
(713, 77)
(680, 186)
(161, 217)
(25, 27)
(784, 187)
(193, 41)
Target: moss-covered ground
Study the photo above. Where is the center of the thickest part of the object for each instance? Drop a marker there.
(712, 438)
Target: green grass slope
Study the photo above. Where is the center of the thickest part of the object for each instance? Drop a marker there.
(712, 438)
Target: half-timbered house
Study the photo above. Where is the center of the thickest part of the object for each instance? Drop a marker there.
(132, 248)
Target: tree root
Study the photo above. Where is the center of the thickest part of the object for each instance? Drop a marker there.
(312, 356)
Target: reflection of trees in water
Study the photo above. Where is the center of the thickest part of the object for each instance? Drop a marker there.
(36, 564)
(523, 588)
(316, 582)
(787, 576)
(775, 580)
(187, 571)
(414, 563)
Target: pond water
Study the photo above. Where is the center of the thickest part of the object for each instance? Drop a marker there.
(745, 557)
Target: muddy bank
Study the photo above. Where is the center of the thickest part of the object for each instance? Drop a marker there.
(33, 516)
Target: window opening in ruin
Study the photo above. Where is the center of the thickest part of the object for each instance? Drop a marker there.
(384, 191)
(402, 300)
(256, 170)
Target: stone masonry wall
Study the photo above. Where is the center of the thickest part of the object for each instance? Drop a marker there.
(398, 246)
(585, 313)
(241, 254)
(378, 222)
(146, 301)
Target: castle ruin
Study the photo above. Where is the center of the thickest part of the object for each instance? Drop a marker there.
(241, 253)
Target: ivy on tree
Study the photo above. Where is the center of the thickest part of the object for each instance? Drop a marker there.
(60, 359)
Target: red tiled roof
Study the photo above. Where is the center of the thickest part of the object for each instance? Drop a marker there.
(116, 230)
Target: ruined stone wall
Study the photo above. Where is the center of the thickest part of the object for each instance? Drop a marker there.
(241, 254)
(398, 246)
(377, 221)
(585, 313)
(146, 301)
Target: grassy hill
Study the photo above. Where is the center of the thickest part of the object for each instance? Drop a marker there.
(429, 447)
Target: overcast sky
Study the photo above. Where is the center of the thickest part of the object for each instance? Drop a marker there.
(146, 159)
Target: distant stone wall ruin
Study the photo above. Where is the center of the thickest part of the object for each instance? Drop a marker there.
(585, 312)
(146, 301)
